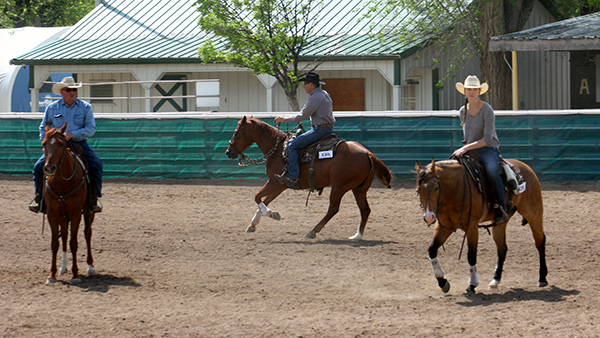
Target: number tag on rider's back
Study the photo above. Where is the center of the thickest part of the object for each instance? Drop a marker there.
(325, 154)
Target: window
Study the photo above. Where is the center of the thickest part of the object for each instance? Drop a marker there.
(101, 93)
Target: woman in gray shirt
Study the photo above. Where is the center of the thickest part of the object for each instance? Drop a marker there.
(479, 129)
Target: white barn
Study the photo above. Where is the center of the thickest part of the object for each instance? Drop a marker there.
(141, 56)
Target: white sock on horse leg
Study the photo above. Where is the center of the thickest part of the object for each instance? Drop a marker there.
(473, 278)
(263, 208)
(256, 218)
(437, 268)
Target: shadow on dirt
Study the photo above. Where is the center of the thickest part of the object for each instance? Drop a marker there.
(102, 283)
(551, 294)
(348, 242)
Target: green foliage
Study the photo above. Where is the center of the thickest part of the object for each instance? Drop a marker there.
(565, 9)
(266, 36)
(43, 13)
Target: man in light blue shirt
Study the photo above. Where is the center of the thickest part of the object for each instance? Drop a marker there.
(80, 126)
(319, 109)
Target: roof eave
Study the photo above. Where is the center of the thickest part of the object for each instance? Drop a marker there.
(530, 45)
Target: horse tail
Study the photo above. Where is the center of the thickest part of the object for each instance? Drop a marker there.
(383, 173)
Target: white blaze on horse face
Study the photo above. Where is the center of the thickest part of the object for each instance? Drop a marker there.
(429, 217)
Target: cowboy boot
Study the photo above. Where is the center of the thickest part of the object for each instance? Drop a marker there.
(95, 207)
(37, 204)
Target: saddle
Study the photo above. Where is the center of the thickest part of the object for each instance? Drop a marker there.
(511, 177)
(324, 148)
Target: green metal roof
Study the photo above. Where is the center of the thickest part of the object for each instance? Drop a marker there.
(150, 31)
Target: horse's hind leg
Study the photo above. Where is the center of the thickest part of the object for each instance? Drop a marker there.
(88, 218)
(335, 198)
(360, 194)
(499, 233)
(540, 243)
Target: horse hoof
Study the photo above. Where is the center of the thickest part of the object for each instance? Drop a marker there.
(91, 271)
(356, 237)
(75, 280)
(470, 290)
(251, 228)
(50, 281)
(494, 284)
(542, 284)
(446, 287)
(311, 235)
(275, 215)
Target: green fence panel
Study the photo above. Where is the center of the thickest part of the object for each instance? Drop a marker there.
(557, 147)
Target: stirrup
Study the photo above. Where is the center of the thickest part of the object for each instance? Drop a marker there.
(37, 206)
(97, 207)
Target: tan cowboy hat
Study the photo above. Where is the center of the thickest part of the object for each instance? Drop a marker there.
(472, 82)
(67, 82)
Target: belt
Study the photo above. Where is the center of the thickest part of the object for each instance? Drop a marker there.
(323, 125)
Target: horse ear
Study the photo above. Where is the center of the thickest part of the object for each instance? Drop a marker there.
(244, 119)
(432, 165)
(417, 166)
(63, 128)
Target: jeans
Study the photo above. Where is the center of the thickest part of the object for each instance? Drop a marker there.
(489, 158)
(303, 141)
(94, 168)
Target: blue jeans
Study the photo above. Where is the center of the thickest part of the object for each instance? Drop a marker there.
(303, 141)
(489, 158)
(95, 170)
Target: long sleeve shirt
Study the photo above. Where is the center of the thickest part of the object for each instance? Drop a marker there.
(480, 126)
(79, 117)
(318, 108)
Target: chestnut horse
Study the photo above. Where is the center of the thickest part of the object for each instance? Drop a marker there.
(66, 192)
(453, 200)
(352, 168)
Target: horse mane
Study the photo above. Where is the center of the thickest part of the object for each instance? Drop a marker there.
(262, 125)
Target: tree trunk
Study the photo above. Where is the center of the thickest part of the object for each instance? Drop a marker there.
(500, 17)
(495, 70)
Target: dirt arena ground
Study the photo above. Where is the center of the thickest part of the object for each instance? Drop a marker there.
(173, 260)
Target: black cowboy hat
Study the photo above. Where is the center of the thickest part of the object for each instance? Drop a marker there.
(311, 77)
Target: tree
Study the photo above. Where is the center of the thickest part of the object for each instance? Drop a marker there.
(462, 29)
(266, 36)
(43, 13)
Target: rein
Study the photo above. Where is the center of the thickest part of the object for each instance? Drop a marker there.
(245, 160)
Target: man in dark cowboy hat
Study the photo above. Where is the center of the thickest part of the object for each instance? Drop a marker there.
(319, 110)
(80, 125)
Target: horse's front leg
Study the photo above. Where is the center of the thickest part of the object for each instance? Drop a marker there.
(440, 236)
(64, 235)
(54, 246)
(472, 240)
(499, 233)
(73, 246)
(271, 191)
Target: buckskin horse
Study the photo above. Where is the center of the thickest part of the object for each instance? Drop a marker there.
(66, 192)
(451, 198)
(353, 167)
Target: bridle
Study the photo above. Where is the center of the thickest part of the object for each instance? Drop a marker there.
(63, 197)
(245, 160)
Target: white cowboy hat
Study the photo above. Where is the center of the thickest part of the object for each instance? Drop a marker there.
(67, 82)
(472, 82)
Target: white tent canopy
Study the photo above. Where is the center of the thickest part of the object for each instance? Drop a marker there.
(14, 42)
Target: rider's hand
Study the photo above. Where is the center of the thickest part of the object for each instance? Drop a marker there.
(459, 152)
(279, 119)
(68, 135)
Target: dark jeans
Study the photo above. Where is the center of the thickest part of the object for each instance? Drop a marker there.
(489, 158)
(94, 167)
(303, 141)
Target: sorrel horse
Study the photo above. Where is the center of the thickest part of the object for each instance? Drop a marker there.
(451, 198)
(66, 192)
(352, 168)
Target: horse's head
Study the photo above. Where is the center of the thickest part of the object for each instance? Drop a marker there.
(55, 147)
(429, 190)
(241, 139)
